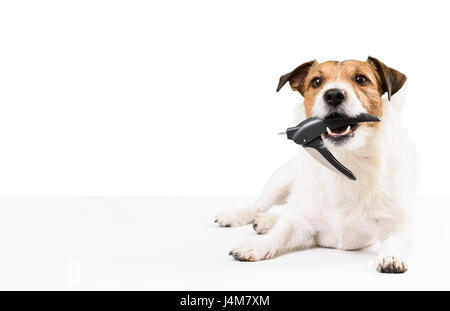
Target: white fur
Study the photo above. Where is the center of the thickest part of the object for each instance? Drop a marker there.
(326, 209)
(264, 222)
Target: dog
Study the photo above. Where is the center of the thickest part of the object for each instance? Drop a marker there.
(323, 208)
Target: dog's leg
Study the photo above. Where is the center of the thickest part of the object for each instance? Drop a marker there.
(264, 222)
(290, 232)
(275, 192)
(392, 255)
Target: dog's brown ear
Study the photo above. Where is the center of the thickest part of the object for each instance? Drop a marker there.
(296, 77)
(391, 79)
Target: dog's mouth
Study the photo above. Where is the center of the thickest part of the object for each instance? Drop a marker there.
(340, 134)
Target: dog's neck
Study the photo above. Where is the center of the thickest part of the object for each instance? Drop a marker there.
(362, 161)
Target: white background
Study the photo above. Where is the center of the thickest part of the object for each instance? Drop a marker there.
(178, 97)
(103, 101)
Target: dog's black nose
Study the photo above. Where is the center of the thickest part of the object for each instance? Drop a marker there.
(334, 97)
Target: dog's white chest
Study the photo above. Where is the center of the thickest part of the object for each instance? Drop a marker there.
(338, 232)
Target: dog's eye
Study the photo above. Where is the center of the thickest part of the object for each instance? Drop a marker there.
(360, 79)
(316, 82)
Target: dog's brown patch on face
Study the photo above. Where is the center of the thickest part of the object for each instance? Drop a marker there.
(368, 94)
(328, 72)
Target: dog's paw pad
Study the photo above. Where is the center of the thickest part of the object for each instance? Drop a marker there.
(264, 222)
(252, 252)
(390, 264)
(235, 217)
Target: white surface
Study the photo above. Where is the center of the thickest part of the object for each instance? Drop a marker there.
(172, 244)
(102, 97)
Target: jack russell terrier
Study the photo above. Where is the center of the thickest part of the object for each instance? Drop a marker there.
(326, 209)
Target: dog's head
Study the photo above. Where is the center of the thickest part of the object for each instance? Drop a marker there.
(345, 88)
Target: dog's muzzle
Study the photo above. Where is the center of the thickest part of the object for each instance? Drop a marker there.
(334, 97)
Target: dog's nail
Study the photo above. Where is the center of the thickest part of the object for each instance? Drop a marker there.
(255, 225)
(215, 220)
(227, 225)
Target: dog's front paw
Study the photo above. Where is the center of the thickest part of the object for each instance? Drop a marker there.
(253, 252)
(264, 222)
(390, 264)
(235, 217)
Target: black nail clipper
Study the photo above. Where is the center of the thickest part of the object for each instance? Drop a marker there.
(308, 134)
